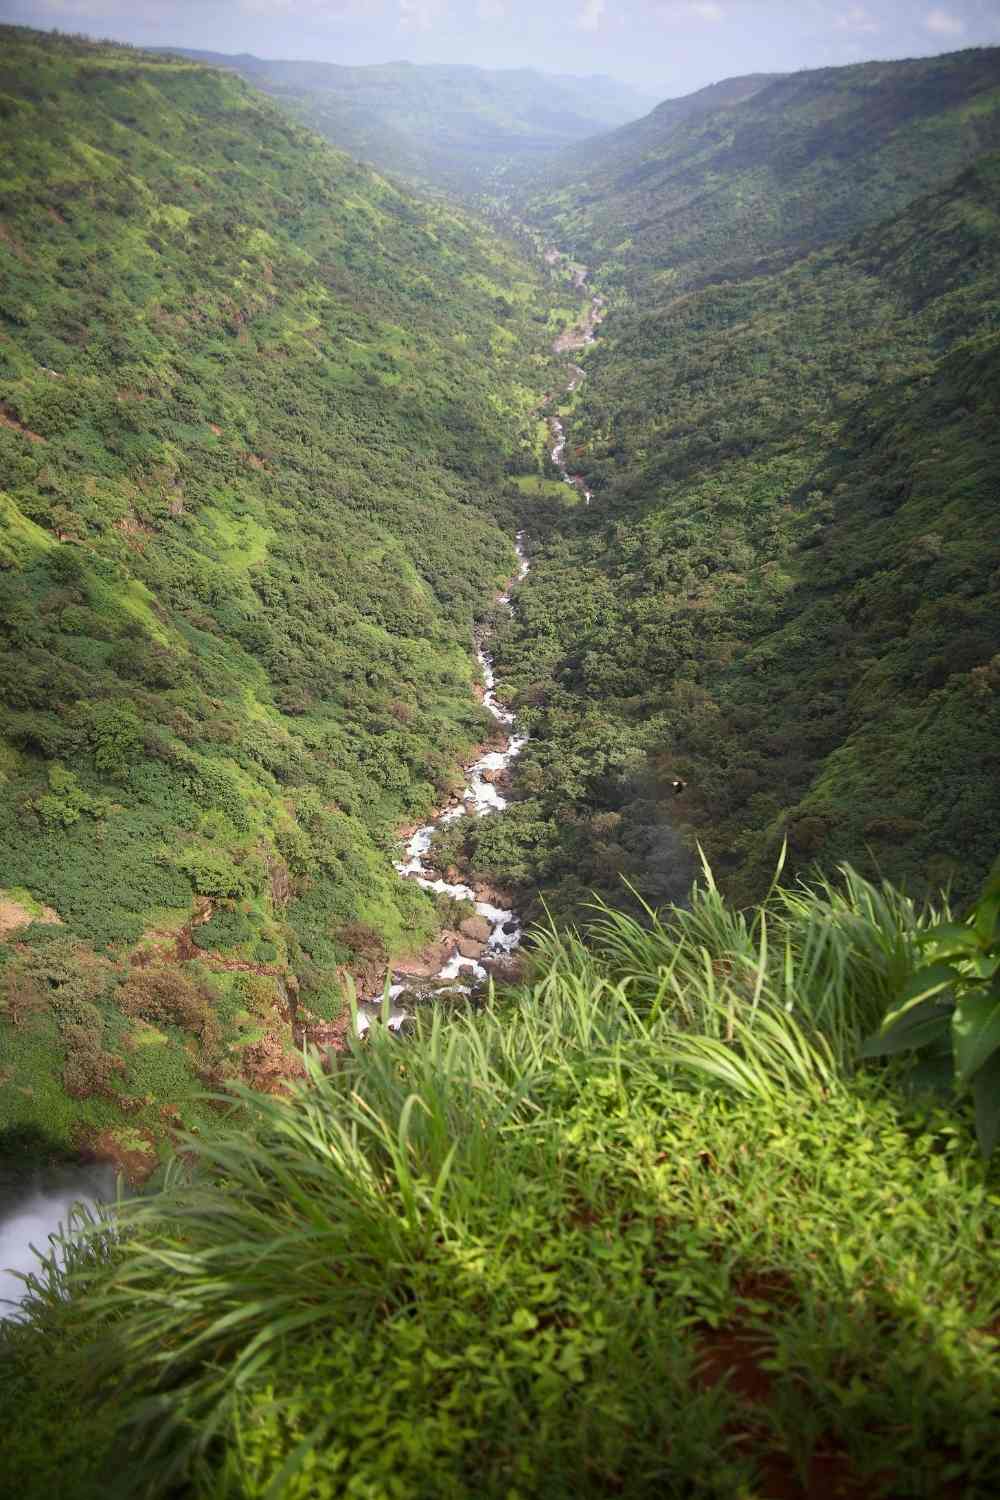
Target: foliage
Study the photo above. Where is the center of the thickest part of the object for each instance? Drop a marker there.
(742, 176)
(951, 1007)
(64, 802)
(583, 1239)
(447, 125)
(228, 928)
(165, 995)
(257, 403)
(785, 591)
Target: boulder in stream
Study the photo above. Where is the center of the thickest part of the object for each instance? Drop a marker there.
(476, 928)
(429, 961)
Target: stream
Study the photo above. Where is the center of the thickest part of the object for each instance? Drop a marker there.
(34, 1208)
(480, 795)
(576, 338)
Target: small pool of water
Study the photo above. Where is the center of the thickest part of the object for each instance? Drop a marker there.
(36, 1205)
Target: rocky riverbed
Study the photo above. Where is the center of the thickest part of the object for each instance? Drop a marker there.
(488, 939)
(32, 1210)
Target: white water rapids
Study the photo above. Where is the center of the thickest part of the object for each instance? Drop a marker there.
(479, 797)
(33, 1210)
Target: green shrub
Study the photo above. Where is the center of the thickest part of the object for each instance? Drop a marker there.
(225, 929)
(213, 872)
(66, 801)
(88, 1069)
(949, 1012)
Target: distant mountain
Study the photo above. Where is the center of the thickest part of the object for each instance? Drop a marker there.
(750, 173)
(642, 139)
(449, 125)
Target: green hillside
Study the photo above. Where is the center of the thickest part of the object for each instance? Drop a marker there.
(704, 1204)
(256, 405)
(785, 590)
(449, 125)
(695, 192)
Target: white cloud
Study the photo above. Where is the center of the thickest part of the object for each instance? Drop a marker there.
(76, 8)
(943, 23)
(857, 18)
(590, 15)
(492, 10)
(419, 15)
(691, 10)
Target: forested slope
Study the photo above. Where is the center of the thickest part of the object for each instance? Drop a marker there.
(785, 591)
(254, 406)
(447, 124)
(694, 192)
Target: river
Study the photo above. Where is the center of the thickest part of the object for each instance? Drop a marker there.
(480, 795)
(33, 1209)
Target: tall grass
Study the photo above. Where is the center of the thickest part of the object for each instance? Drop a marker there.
(828, 957)
(538, 1195)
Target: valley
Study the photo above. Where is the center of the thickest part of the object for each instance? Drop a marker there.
(499, 779)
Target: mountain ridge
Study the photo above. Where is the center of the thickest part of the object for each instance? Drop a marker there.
(257, 404)
(449, 124)
(695, 621)
(809, 157)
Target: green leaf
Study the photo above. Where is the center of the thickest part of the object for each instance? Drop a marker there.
(976, 1030)
(933, 1073)
(984, 965)
(950, 938)
(924, 1022)
(921, 986)
(986, 914)
(986, 1092)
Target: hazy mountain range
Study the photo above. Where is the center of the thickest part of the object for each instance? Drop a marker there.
(448, 125)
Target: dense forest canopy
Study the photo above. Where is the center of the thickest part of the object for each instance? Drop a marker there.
(256, 408)
(741, 177)
(785, 591)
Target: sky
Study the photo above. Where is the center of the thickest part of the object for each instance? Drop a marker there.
(666, 48)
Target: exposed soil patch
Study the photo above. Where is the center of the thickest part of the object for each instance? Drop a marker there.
(13, 244)
(8, 419)
(14, 916)
(735, 1356)
(136, 1158)
(326, 1036)
(267, 1066)
(828, 1476)
(773, 1291)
